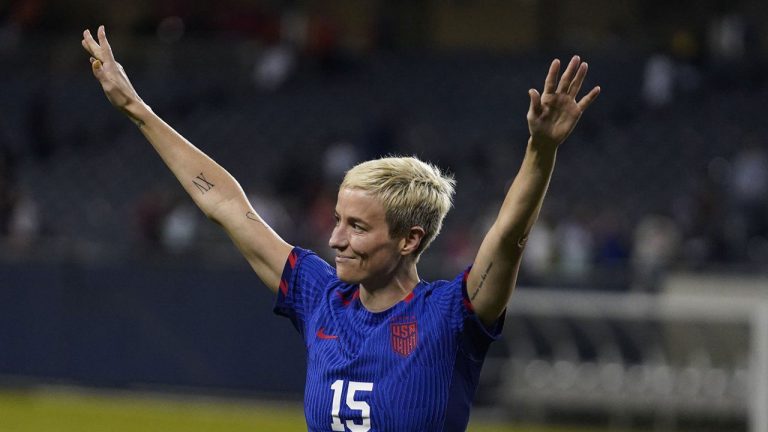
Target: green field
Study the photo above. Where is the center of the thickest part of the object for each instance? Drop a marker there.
(83, 411)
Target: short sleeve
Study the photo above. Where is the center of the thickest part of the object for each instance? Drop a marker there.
(302, 284)
(474, 337)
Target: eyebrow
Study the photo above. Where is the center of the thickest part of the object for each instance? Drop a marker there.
(353, 219)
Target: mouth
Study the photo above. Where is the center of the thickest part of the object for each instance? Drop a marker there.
(343, 259)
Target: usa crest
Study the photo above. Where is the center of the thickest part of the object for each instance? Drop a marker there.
(404, 337)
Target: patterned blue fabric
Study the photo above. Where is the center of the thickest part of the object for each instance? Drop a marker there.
(413, 367)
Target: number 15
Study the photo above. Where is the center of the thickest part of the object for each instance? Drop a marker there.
(352, 388)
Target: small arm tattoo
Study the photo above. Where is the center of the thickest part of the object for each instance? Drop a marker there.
(254, 217)
(203, 185)
(482, 280)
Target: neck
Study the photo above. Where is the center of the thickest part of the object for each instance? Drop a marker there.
(378, 297)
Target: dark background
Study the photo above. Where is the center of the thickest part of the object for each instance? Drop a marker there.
(110, 277)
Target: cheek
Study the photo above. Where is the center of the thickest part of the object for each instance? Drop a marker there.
(360, 246)
(373, 252)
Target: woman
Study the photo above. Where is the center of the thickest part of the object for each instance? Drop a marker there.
(386, 350)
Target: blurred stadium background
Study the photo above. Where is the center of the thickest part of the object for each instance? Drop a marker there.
(643, 300)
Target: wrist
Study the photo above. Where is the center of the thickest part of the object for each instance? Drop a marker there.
(138, 112)
(542, 148)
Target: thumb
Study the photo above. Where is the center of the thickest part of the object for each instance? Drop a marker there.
(96, 65)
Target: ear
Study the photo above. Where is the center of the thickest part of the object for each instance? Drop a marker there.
(411, 242)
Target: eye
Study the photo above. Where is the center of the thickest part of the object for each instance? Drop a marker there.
(357, 227)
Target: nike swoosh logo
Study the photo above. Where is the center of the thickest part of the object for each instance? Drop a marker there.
(321, 334)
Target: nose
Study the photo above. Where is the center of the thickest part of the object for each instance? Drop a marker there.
(338, 238)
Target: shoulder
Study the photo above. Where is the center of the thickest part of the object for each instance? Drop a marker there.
(446, 286)
(305, 259)
(449, 293)
(305, 271)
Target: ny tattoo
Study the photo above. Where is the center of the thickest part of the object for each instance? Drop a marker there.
(482, 280)
(204, 185)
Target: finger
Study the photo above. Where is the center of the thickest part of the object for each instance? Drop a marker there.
(573, 90)
(549, 82)
(535, 107)
(590, 97)
(104, 43)
(85, 46)
(91, 45)
(570, 71)
(96, 66)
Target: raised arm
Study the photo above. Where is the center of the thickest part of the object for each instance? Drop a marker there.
(551, 118)
(211, 187)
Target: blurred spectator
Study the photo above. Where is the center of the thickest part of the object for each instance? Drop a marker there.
(733, 48)
(539, 251)
(727, 38)
(151, 210)
(701, 215)
(749, 191)
(685, 48)
(658, 80)
(656, 241)
(339, 157)
(611, 239)
(575, 248)
(179, 228)
(24, 225)
(271, 210)
(274, 66)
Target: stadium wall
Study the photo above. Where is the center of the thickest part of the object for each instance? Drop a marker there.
(156, 327)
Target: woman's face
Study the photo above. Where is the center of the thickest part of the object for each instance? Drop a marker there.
(365, 252)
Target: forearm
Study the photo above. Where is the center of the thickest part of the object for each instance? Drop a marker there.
(206, 182)
(212, 188)
(525, 197)
(494, 271)
(551, 118)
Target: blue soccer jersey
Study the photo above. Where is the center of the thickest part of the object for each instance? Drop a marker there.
(413, 367)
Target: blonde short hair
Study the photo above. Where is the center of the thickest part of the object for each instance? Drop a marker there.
(412, 193)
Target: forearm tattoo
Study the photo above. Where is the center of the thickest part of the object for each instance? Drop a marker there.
(482, 280)
(202, 184)
(254, 217)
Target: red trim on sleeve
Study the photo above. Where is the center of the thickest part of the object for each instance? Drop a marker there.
(468, 305)
(464, 293)
(292, 259)
(284, 286)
